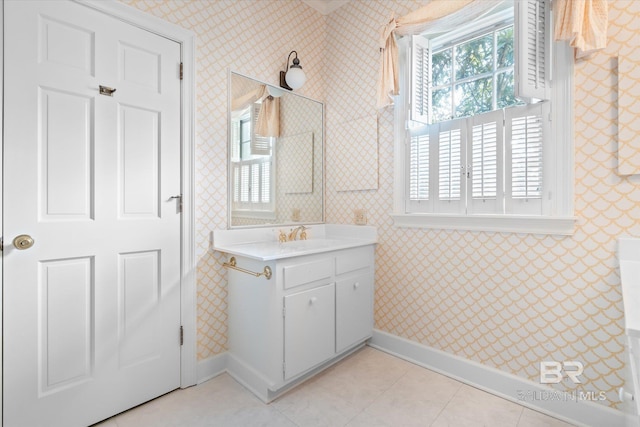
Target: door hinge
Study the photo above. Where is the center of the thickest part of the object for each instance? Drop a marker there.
(284, 311)
(181, 71)
(1, 244)
(181, 335)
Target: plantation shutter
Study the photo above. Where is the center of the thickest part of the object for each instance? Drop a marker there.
(235, 157)
(236, 183)
(260, 145)
(532, 42)
(252, 185)
(420, 79)
(265, 181)
(418, 174)
(450, 138)
(244, 183)
(419, 166)
(486, 173)
(235, 140)
(449, 164)
(255, 183)
(527, 127)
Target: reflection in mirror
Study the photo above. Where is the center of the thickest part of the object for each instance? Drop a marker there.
(628, 130)
(275, 155)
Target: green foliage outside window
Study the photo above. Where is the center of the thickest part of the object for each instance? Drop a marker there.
(474, 76)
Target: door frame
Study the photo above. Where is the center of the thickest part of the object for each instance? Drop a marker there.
(187, 40)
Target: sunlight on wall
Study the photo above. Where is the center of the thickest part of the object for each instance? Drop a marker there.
(252, 38)
(507, 301)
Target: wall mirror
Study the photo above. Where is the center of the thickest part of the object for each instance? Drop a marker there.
(275, 155)
(628, 129)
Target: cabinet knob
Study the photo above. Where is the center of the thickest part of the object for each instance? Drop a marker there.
(356, 285)
(312, 300)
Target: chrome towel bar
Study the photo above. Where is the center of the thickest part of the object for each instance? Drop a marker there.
(232, 264)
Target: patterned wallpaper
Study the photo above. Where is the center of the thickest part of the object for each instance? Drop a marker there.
(505, 300)
(252, 37)
(301, 121)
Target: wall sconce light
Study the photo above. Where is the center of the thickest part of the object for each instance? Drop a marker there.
(292, 77)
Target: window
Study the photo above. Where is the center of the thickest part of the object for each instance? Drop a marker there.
(251, 163)
(473, 75)
(477, 149)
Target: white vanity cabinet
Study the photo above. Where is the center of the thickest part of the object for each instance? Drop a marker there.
(309, 329)
(313, 311)
(354, 297)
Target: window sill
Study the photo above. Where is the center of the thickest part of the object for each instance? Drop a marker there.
(527, 224)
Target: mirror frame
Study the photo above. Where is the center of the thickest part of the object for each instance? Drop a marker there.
(230, 225)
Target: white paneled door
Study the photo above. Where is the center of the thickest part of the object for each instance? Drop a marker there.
(92, 308)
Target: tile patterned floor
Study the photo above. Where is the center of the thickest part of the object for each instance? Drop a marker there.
(369, 388)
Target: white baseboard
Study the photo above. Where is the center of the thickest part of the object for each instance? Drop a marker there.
(486, 378)
(211, 367)
(268, 391)
(252, 380)
(499, 383)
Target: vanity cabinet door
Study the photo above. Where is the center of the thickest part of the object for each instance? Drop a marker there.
(309, 329)
(354, 310)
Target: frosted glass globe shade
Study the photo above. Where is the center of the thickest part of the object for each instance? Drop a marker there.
(295, 77)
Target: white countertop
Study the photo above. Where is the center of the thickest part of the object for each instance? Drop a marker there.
(262, 243)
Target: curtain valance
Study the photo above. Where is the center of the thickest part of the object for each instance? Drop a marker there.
(268, 121)
(582, 22)
(436, 17)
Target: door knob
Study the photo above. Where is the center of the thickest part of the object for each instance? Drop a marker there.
(23, 242)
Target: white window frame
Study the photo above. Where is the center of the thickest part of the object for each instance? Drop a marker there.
(265, 147)
(486, 25)
(557, 217)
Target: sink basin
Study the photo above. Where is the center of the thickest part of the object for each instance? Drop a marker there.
(262, 244)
